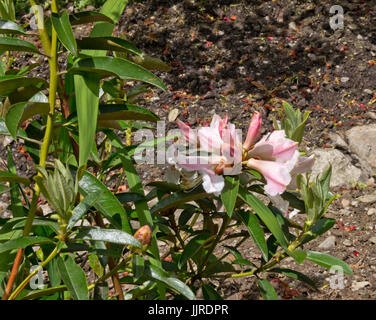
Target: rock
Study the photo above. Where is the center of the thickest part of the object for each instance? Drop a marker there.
(373, 240)
(371, 115)
(337, 140)
(344, 172)
(173, 115)
(362, 141)
(347, 243)
(328, 243)
(371, 211)
(345, 79)
(292, 26)
(369, 198)
(368, 91)
(345, 203)
(357, 285)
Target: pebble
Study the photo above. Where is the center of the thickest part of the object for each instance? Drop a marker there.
(368, 91)
(345, 79)
(359, 285)
(373, 240)
(328, 243)
(371, 211)
(292, 26)
(369, 198)
(347, 243)
(371, 115)
(345, 203)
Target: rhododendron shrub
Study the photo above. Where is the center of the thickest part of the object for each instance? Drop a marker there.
(86, 200)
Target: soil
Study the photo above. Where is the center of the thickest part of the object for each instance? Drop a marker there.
(236, 57)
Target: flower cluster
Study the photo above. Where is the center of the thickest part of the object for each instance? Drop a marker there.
(217, 150)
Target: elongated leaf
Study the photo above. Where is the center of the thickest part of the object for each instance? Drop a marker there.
(159, 274)
(15, 198)
(126, 197)
(125, 112)
(64, 31)
(319, 228)
(11, 44)
(108, 43)
(108, 235)
(150, 63)
(266, 289)
(238, 257)
(9, 27)
(23, 243)
(10, 84)
(107, 203)
(209, 293)
(230, 193)
(87, 17)
(22, 111)
(107, 66)
(327, 261)
(82, 208)
(178, 198)
(192, 248)
(73, 277)
(11, 177)
(87, 102)
(255, 230)
(294, 275)
(271, 222)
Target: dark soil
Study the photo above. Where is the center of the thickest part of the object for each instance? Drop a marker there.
(236, 57)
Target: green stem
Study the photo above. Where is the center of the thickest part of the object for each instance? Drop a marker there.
(52, 255)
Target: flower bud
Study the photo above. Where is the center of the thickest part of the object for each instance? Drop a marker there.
(254, 131)
(143, 235)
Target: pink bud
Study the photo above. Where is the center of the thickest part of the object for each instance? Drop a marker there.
(254, 131)
(143, 235)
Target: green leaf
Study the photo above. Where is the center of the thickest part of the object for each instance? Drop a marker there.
(150, 63)
(9, 27)
(88, 17)
(87, 103)
(106, 203)
(23, 243)
(266, 289)
(230, 193)
(20, 112)
(15, 198)
(209, 293)
(11, 177)
(178, 198)
(125, 112)
(294, 275)
(82, 208)
(109, 44)
(265, 214)
(73, 277)
(327, 261)
(11, 44)
(319, 228)
(255, 230)
(9, 84)
(64, 31)
(107, 66)
(238, 257)
(193, 246)
(95, 264)
(126, 197)
(159, 274)
(108, 235)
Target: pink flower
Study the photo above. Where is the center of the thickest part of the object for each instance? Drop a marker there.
(254, 131)
(274, 156)
(217, 152)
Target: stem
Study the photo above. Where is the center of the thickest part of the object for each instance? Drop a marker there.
(51, 50)
(52, 255)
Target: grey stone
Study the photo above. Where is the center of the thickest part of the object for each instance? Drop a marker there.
(345, 79)
(368, 91)
(344, 172)
(338, 141)
(362, 141)
(371, 211)
(347, 243)
(345, 203)
(373, 240)
(371, 115)
(292, 26)
(368, 198)
(328, 243)
(357, 285)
